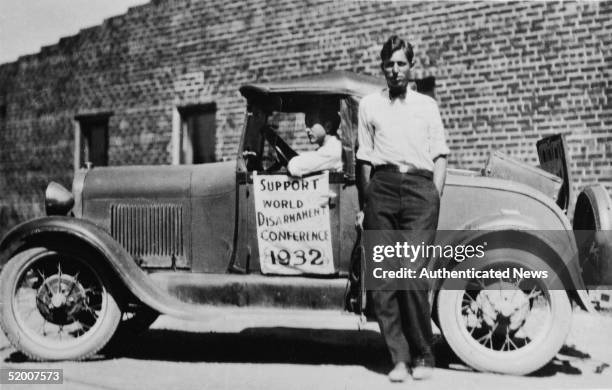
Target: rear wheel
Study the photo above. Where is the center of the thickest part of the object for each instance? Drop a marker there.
(509, 326)
(56, 305)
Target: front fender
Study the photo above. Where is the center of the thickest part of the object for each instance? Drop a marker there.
(36, 232)
(522, 231)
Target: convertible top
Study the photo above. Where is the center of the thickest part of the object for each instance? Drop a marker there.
(336, 82)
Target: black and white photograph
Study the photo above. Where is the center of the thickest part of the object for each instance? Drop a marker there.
(318, 194)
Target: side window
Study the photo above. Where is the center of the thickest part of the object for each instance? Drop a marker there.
(2, 117)
(91, 143)
(289, 126)
(198, 137)
(3, 126)
(275, 135)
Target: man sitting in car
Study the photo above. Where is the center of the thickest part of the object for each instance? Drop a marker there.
(322, 128)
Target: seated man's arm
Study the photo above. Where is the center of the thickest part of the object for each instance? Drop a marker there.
(319, 160)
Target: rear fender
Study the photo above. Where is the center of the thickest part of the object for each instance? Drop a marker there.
(593, 229)
(51, 231)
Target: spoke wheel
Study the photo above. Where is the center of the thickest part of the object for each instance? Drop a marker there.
(509, 326)
(56, 305)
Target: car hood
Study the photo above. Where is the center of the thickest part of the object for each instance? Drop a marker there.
(159, 181)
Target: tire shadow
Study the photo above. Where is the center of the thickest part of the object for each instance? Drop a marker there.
(556, 366)
(561, 365)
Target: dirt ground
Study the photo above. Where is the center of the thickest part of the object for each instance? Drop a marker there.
(305, 350)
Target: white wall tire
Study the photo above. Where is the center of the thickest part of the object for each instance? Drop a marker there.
(49, 314)
(553, 323)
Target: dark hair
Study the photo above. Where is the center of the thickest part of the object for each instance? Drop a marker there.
(327, 114)
(393, 44)
(334, 118)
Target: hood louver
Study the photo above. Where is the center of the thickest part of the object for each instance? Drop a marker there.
(151, 233)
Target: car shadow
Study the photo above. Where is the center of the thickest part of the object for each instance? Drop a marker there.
(263, 345)
(276, 345)
(252, 345)
(290, 346)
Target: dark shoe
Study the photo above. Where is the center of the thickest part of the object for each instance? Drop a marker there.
(423, 369)
(399, 372)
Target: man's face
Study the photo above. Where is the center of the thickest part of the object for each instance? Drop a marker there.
(396, 70)
(315, 128)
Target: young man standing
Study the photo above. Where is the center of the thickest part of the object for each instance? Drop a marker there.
(402, 153)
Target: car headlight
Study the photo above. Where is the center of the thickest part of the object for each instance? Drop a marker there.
(58, 200)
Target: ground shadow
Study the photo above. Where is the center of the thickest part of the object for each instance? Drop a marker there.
(562, 365)
(556, 366)
(289, 345)
(276, 345)
(263, 345)
(253, 345)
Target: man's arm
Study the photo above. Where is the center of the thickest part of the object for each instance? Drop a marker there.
(438, 148)
(364, 170)
(439, 173)
(365, 140)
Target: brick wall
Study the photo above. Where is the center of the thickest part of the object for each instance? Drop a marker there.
(507, 74)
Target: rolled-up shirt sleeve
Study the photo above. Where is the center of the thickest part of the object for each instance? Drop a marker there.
(437, 138)
(365, 135)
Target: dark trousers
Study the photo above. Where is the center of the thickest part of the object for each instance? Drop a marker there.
(407, 202)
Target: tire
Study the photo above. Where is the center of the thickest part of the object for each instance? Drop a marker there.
(518, 355)
(55, 305)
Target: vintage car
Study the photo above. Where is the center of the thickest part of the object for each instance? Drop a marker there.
(131, 242)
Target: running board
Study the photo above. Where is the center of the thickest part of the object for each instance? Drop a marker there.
(253, 290)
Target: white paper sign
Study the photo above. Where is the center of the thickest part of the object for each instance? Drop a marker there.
(293, 229)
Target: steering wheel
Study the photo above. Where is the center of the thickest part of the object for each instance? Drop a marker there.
(282, 151)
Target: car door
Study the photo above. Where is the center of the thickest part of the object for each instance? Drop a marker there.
(258, 162)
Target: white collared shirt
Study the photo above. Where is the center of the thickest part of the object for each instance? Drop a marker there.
(327, 156)
(405, 132)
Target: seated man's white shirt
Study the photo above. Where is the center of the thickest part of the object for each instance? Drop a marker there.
(405, 132)
(326, 157)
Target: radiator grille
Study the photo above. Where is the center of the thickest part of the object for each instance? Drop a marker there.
(149, 230)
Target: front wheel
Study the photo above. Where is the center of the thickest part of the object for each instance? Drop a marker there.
(509, 326)
(56, 305)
